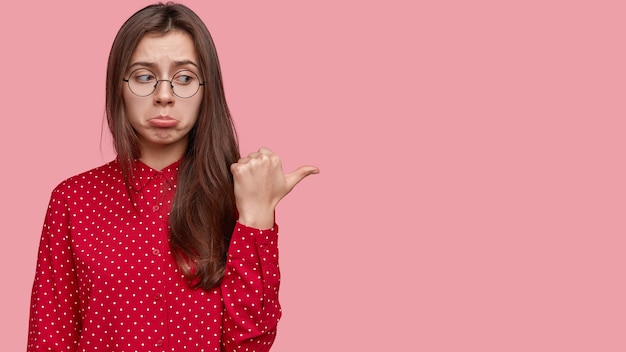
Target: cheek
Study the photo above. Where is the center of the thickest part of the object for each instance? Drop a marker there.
(132, 105)
(127, 96)
(194, 109)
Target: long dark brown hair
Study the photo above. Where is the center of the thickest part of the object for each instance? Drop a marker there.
(203, 213)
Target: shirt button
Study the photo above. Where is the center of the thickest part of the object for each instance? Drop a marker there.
(159, 343)
(155, 208)
(157, 296)
(157, 176)
(156, 251)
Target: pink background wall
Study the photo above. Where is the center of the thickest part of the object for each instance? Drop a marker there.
(472, 194)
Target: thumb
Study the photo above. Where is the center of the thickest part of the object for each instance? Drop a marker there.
(299, 174)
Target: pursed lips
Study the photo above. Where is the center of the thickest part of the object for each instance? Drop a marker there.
(163, 121)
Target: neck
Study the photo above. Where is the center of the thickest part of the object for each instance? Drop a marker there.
(160, 156)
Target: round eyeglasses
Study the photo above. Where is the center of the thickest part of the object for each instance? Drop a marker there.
(143, 82)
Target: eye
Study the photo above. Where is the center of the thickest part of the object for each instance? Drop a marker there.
(184, 78)
(143, 76)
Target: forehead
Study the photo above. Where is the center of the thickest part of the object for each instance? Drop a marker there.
(165, 50)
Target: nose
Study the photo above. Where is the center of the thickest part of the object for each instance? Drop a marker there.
(163, 93)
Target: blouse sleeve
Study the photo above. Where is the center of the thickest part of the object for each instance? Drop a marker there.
(54, 312)
(250, 290)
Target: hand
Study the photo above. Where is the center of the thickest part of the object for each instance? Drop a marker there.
(260, 184)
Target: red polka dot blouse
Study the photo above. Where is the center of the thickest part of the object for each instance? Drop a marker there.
(107, 281)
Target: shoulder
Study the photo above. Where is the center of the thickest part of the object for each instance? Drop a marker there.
(108, 175)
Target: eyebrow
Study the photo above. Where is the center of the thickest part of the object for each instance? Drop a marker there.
(153, 65)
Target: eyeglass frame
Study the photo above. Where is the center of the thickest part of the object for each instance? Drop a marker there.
(171, 80)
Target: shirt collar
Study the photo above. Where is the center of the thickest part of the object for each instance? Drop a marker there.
(144, 174)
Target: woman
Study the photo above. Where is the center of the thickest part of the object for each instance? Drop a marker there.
(172, 246)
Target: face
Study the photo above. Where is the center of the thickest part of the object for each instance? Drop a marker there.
(162, 119)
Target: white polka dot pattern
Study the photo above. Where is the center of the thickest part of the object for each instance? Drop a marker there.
(106, 279)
